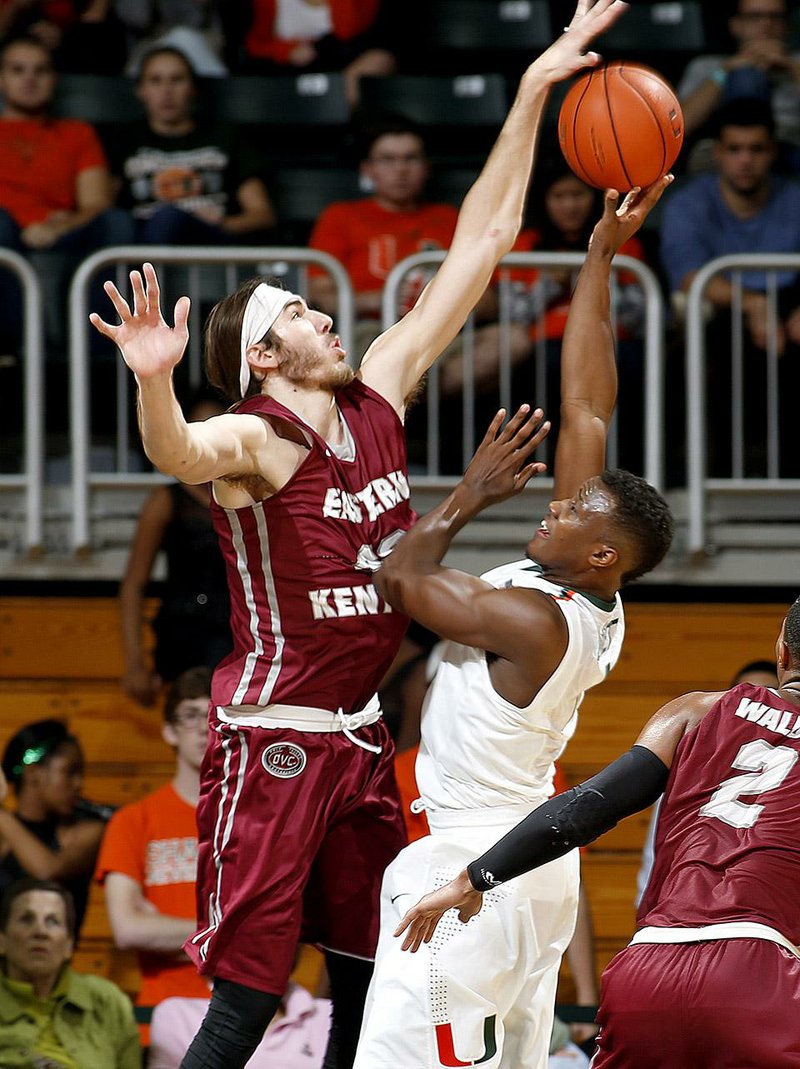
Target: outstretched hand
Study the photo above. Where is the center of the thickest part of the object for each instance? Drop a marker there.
(149, 346)
(620, 222)
(570, 53)
(498, 469)
(420, 922)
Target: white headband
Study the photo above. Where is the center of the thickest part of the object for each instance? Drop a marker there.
(264, 306)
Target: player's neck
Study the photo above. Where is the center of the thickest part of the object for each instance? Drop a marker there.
(316, 407)
(410, 205)
(790, 690)
(604, 588)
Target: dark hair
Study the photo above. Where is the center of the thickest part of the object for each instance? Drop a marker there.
(791, 631)
(744, 111)
(643, 516)
(554, 168)
(386, 125)
(34, 744)
(24, 39)
(166, 50)
(30, 883)
(223, 334)
(754, 666)
(193, 683)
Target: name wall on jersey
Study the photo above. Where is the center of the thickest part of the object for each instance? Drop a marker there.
(377, 497)
(781, 721)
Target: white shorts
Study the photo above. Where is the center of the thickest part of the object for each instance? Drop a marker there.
(481, 993)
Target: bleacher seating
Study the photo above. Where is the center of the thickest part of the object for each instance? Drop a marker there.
(61, 657)
(461, 114)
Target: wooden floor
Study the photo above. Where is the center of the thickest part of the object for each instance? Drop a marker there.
(61, 657)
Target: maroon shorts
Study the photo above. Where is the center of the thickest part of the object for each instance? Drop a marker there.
(726, 1004)
(295, 830)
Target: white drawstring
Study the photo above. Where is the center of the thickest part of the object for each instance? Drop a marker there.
(353, 722)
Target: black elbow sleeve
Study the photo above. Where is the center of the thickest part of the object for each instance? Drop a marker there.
(574, 818)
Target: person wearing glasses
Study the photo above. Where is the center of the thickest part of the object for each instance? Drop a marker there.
(148, 858)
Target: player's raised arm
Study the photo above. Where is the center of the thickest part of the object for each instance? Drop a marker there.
(568, 820)
(192, 452)
(588, 352)
(490, 216)
(457, 605)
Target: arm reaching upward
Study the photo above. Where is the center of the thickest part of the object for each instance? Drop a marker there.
(490, 216)
(588, 360)
(462, 607)
(192, 452)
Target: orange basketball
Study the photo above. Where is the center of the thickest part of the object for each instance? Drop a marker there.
(620, 126)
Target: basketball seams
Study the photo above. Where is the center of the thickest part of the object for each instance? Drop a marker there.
(586, 177)
(623, 129)
(613, 126)
(653, 112)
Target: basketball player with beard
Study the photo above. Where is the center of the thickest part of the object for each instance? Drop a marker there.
(299, 813)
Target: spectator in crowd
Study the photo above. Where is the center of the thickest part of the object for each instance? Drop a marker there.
(148, 859)
(148, 865)
(286, 36)
(185, 181)
(83, 35)
(561, 213)
(192, 623)
(743, 207)
(761, 66)
(295, 1038)
(193, 27)
(55, 192)
(50, 1016)
(371, 235)
(47, 835)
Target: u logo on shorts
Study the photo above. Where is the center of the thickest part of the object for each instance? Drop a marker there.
(446, 1048)
(284, 760)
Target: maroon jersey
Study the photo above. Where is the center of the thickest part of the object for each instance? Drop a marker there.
(308, 625)
(728, 838)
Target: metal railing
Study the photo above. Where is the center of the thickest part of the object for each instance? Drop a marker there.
(653, 466)
(30, 480)
(119, 257)
(697, 423)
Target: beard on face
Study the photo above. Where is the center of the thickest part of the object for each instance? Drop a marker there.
(306, 367)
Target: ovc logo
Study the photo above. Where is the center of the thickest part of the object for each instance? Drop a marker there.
(284, 760)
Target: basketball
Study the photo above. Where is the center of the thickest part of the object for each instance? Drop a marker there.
(620, 126)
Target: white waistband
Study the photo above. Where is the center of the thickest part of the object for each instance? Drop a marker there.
(300, 717)
(494, 814)
(728, 930)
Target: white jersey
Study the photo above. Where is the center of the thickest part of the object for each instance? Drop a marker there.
(477, 749)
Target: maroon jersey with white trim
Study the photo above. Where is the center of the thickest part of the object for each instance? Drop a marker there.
(308, 625)
(728, 837)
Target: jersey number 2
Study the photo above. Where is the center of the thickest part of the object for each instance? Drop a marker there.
(766, 768)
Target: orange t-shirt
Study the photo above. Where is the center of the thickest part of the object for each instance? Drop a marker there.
(40, 163)
(369, 239)
(154, 841)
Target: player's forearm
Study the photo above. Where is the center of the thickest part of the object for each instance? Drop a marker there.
(493, 208)
(574, 818)
(588, 363)
(422, 548)
(166, 436)
(157, 932)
